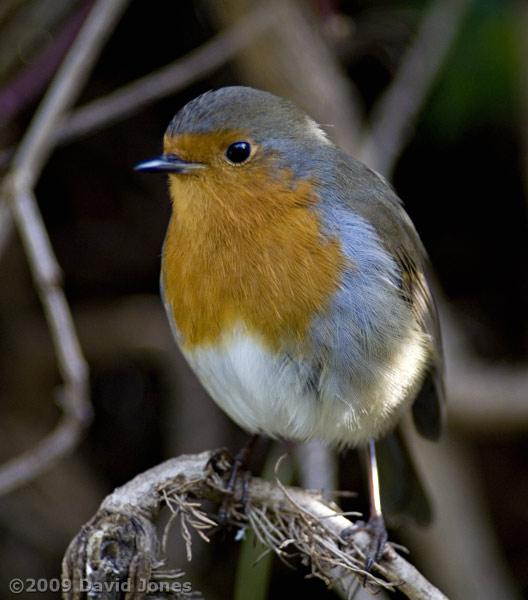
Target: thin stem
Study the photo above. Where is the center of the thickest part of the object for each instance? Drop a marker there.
(39, 141)
(27, 165)
(393, 114)
(169, 79)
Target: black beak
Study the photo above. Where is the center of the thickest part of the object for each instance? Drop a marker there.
(167, 163)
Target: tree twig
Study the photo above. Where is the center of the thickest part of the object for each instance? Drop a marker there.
(394, 112)
(294, 60)
(461, 518)
(38, 142)
(483, 396)
(167, 80)
(27, 85)
(27, 165)
(285, 520)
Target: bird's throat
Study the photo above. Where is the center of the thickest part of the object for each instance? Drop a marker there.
(224, 264)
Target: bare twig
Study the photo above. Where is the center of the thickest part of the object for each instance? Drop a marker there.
(167, 80)
(317, 466)
(285, 520)
(22, 89)
(394, 112)
(78, 63)
(462, 519)
(294, 60)
(17, 191)
(6, 225)
(483, 396)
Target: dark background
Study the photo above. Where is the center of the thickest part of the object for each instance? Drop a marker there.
(462, 177)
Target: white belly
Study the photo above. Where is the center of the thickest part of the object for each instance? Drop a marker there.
(267, 393)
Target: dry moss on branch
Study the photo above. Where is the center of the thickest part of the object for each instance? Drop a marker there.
(120, 543)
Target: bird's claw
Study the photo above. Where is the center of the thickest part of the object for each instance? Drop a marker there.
(378, 538)
(221, 461)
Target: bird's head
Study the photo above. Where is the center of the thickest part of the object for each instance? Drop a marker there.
(229, 147)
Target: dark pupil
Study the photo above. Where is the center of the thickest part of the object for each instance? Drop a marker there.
(238, 152)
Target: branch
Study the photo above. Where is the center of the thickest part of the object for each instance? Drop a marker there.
(27, 165)
(453, 480)
(167, 80)
(397, 108)
(134, 97)
(482, 396)
(120, 543)
(17, 93)
(39, 141)
(294, 60)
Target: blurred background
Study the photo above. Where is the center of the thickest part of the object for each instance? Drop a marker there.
(432, 94)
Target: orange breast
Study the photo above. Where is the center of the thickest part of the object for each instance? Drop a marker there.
(244, 247)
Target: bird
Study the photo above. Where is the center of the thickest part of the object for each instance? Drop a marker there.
(295, 285)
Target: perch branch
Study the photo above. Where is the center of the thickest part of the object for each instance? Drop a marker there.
(17, 191)
(285, 520)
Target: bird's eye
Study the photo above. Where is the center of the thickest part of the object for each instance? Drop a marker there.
(238, 152)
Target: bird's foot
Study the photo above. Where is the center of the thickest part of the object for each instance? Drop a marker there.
(222, 461)
(378, 538)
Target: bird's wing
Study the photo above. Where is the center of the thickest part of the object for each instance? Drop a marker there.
(429, 406)
(375, 201)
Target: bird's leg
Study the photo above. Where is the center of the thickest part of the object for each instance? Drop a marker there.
(239, 464)
(376, 524)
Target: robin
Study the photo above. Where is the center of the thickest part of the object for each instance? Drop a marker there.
(294, 283)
